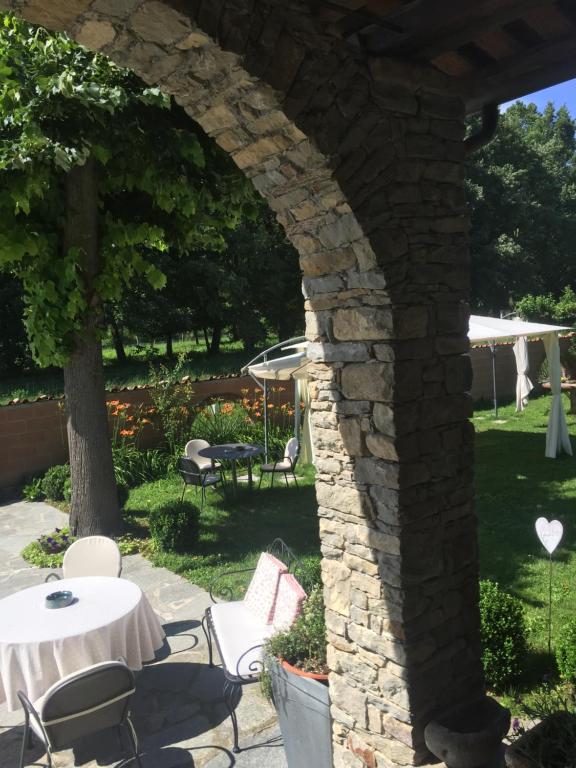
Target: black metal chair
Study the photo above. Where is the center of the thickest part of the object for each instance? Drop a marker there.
(192, 475)
(285, 465)
(88, 701)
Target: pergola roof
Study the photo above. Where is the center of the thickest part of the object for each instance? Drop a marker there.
(493, 328)
(497, 50)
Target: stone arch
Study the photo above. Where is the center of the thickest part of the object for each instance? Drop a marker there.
(362, 161)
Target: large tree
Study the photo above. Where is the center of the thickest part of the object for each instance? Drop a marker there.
(522, 189)
(98, 174)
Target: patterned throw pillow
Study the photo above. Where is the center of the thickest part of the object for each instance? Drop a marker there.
(261, 594)
(289, 602)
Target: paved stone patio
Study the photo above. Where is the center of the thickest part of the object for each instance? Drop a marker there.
(178, 710)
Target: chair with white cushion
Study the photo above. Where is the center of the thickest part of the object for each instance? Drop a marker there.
(191, 451)
(284, 465)
(85, 702)
(91, 556)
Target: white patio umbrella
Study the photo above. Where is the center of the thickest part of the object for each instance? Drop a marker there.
(293, 366)
(282, 368)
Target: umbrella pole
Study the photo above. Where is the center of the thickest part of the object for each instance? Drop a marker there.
(495, 395)
(296, 410)
(265, 388)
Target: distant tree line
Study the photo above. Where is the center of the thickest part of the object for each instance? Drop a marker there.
(522, 191)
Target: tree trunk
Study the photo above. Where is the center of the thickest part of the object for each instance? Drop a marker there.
(169, 347)
(216, 339)
(94, 506)
(118, 341)
(206, 339)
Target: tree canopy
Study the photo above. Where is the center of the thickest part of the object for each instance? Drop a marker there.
(522, 190)
(161, 183)
(99, 175)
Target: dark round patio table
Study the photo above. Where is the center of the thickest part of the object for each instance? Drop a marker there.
(232, 452)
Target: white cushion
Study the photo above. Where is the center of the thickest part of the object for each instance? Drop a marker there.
(280, 466)
(238, 630)
(260, 596)
(92, 556)
(289, 602)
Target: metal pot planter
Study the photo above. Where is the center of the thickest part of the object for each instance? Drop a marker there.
(303, 707)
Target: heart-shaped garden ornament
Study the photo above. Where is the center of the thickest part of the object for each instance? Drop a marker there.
(549, 532)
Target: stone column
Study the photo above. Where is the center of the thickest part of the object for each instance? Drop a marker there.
(392, 436)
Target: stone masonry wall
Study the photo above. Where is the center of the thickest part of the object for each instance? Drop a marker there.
(363, 164)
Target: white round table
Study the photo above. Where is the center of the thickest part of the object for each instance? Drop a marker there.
(110, 617)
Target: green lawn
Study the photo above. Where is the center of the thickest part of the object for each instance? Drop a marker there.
(136, 370)
(515, 485)
(233, 531)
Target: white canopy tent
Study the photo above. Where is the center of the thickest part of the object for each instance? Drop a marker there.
(488, 330)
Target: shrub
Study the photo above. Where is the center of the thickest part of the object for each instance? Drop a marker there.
(503, 635)
(174, 525)
(54, 482)
(33, 490)
(304, 644)
(133, 467)
(566, 651)
(219, 423)
(310, 574)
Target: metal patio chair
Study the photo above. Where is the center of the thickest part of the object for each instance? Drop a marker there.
(285, 465)
(90, 556)
(191, 474)
(88, 701)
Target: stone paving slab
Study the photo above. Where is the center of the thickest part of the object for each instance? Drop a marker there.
(177, 710)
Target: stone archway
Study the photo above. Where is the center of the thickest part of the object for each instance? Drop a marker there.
(363, 164)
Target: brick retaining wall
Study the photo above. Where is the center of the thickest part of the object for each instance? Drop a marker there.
(33, 435)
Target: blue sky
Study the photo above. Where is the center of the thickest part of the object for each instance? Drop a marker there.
(565, 93)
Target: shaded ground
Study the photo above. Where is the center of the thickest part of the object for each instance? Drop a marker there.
(234, 530)
(178, 711)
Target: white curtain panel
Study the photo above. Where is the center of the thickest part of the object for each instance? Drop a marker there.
(306, 444)
(523, 384)
(557, 437)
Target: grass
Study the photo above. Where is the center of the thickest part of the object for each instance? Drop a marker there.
(233, 531)
(136, 369)
(515, 485)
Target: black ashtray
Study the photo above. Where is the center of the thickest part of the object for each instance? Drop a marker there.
(59, 599)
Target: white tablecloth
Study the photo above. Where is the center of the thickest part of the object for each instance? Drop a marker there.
(110, 618)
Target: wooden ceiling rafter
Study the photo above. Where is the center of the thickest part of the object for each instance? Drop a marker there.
(494, 50)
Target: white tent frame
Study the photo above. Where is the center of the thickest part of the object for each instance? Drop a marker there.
(492, 330)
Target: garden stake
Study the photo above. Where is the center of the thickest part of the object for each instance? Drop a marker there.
(550, 535)
(550, 607)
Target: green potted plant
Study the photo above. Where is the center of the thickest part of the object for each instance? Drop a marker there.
(551, 743)
(296, 677)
